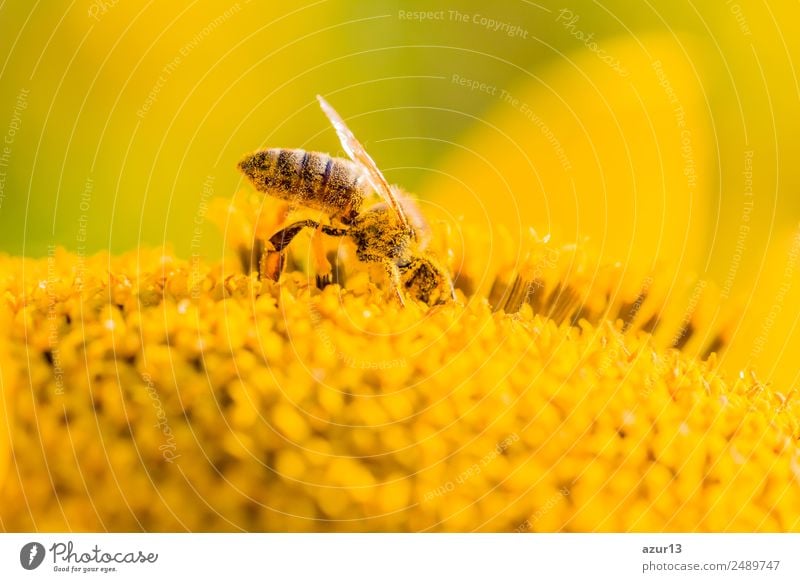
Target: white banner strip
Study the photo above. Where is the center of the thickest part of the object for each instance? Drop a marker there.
(400, 557)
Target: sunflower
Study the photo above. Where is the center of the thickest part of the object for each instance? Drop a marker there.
(146, 392)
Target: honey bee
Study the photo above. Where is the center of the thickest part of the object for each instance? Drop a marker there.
(391, 232)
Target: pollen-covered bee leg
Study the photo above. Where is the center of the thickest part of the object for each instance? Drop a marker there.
(270, 265)
(394, 277)
(281, 239)
(272, 260)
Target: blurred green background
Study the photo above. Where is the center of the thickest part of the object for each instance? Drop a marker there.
(121, 117)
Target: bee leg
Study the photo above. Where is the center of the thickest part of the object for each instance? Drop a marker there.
(270, 265)
(281, 239)
(272, 260)
(323, 265)
(394, 277)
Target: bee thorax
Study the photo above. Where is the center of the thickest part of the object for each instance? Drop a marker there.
(378, 237)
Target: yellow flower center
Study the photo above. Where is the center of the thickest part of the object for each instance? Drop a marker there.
(172, 395)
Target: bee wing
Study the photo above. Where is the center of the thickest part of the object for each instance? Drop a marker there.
(360, 156)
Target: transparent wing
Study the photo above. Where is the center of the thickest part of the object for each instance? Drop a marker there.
(360, 156)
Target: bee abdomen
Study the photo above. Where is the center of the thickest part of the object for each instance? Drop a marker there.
(316, 180)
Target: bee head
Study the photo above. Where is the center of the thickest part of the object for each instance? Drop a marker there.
(427, 281)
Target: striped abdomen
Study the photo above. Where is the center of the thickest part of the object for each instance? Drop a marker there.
(316, 180)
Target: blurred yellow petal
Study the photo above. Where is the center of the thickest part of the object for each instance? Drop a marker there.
(585, 149)
(768, 336)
